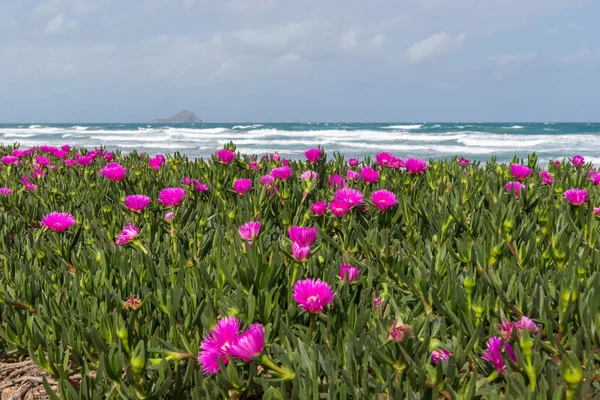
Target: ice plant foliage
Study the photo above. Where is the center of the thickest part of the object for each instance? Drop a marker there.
(58, 221)
(171, 197)
(313, 295)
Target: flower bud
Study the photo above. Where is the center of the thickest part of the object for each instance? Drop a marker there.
(508, 225)
(567, 295)
(526, 345)
(232, 216)
(478, 311)
(497, 250)
(400, 332)
(137, 364)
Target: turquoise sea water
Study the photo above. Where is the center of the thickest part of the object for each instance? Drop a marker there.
(477, 141)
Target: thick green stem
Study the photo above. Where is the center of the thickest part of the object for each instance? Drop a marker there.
(284, 373)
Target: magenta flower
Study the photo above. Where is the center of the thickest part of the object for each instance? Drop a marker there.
(58, 221)
(268, 181)
(546, 178)
(524, 324)
(156, 162)
(377, 301)
(338, 208)
(493, 355)
(383, 199)
(199, 187)
(556, 163)
(282, 173)
(225, 156)
(169, 216)
(241, 186)
(299, 252)
(171, 197)
(113, 171)
(397, 163)
(351, 197)
(250, 230)
(596, 179)
(439, 355)
(463, 163)
(186, 181)
(313, 295)
(216, 344)
(10, 160)
(250, 344)
(19, 153)
(400, 332)
(70, 163)
(137, 202)
(384, 159)
(276, 157)
(128, 233)
(597, 211)
(352, 175)
(108, 156)
(85, 160)
(60, 154)
(302, 236)
(515, 187)
(415, 166)
(519, 171)
(318, 207)
(349, 273)
(336, 180)
(578, 161)
(5, 191)
(28, 185)
(65, 147)
(369, 175)
(313, 155)
(43, 161)
(353, 162)
(576, 196)
(309, 175)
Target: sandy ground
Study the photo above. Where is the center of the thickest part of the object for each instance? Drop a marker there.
(22, 380)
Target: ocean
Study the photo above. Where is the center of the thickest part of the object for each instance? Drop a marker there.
(475, 141)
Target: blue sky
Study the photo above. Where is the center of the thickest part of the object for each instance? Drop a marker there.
(307, 60)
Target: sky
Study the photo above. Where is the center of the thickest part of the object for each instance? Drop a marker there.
(301, 61)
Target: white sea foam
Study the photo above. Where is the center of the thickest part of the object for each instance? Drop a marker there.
(513, 127)
(18, 135)
(415, 126)
(34, 126)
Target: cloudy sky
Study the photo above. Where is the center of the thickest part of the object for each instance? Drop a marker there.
(305, 60)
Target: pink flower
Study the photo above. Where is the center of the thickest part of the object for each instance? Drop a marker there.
(43, 161)
(546, 178)
(282, 173)
(578, 161)
(250, 230)
(397, 163)
(58, 221)
(309, 175)
(493, 355)
(225, 156)
(28, 185)
(349, 273)
(415, 166)
(377, 301)
(5, 191)
(524, 324)
(186, 181)
(299, 252)
(597, 211)
(313, 295)
(302, 236)
(353, 162)
(318, 207)
(85, 160)
(268, 181)
(70, 163)
(217, 343)
(254, 166)
(351, 197)
(65, 147)
(384, 159)
(338, 208)
(519, 171)
(576, 196)
(241, 186)
(369, 175)
(250, 344)
(137, 202)
(596, 179)
(19, 153)
(10, 160)
(352, 175)
(171, 197)
(400, 332)
(383, 199)
(60, 154)
(108, 156)
(113, 171)
(156, 162)
(199, 187)
(169, 216)
(128, 233)
(276, 157)
(439, 355)
(313, 155)
(557, 163)
(336, 180)
(463, 163)
(515, 187)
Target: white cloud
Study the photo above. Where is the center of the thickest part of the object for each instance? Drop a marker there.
(349, 39)
(275, 37)
(60, 24)
(287, 60)
(581, 56)
(378, 40)
(250, 5)
(434, 46)
(507, 64)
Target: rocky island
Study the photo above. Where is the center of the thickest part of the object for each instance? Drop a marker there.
(184, 117)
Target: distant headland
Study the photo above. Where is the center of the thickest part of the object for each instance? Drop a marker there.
(184, 117)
